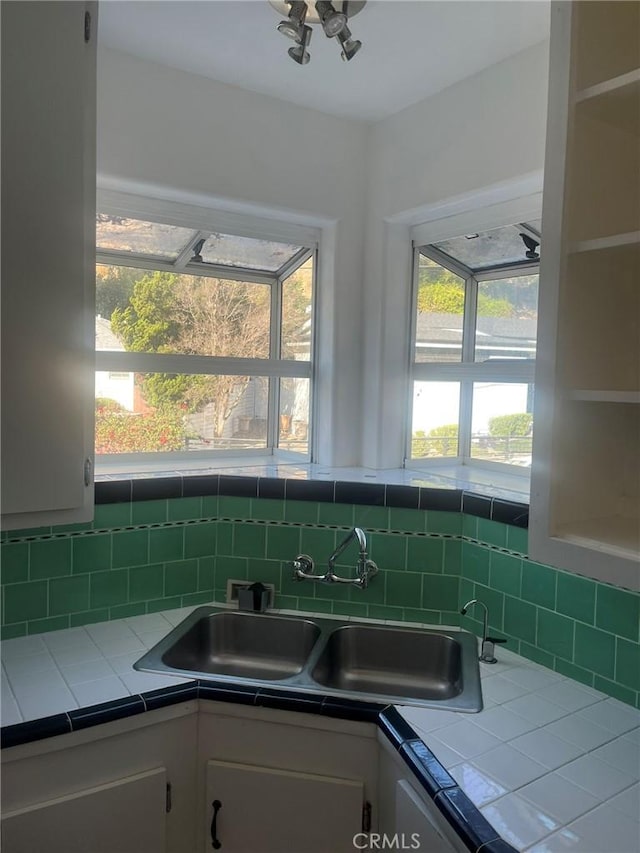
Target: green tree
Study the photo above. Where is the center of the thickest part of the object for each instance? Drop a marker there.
(114, 286)
(171, 313)
(442, 292)
(519, 423)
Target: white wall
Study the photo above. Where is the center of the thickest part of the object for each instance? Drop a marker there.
(186, 133)
(180, 132)
(485, 130)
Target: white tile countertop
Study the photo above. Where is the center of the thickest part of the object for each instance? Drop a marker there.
(552, 765)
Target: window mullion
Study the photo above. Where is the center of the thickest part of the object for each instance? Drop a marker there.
(469, 319)
(275, 351)
(464, 428)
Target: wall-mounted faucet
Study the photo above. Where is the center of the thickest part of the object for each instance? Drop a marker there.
(488, 643)
(365, 568)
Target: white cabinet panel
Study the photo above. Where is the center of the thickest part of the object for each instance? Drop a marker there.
(48, 261)
(271, 811)
(123, 816)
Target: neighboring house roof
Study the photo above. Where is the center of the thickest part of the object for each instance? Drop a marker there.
(106, 339)
(447, 328)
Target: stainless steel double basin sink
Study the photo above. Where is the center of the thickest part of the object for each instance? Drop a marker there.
(428, 667)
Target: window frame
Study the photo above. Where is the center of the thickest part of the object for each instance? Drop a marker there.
(467, 371)
(273, 368)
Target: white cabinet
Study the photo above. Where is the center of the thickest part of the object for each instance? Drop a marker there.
(261, 808)
(123, 815)
(585, 491)
(104, 790)
(285, 781)
(48, 261)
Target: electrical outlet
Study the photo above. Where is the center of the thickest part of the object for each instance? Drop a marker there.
(234, 585)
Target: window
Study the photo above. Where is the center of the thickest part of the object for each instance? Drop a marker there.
(474, 346)
(204, 342)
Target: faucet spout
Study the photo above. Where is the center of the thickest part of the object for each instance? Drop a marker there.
(365, 568)
(488, 643)
(356, 533)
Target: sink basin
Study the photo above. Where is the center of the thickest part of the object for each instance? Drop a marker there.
(428, 667)
(372, 659)
(244, 645)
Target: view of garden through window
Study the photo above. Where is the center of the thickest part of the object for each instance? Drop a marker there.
(474, 347)
(180, 341)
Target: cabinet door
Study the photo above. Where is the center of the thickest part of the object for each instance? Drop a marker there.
(280, 811)
(48, 261)
(125, 816)
(416, 826)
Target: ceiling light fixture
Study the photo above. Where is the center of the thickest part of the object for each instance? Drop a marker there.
(333, 16)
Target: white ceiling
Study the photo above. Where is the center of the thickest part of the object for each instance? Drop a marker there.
(410, 48)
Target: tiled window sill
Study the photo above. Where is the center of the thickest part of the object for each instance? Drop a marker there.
(452, 489)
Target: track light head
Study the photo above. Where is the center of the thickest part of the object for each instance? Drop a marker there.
(299, 53)
(292, 27)
(349, 46)
(333, 22)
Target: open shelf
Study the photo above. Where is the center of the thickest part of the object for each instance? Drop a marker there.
(605, 40)
(598, 343)
(608, 534)
(596, 457)
(602, 187)
(605, 396)
(615, 102)
(585, 483)
(630, 238)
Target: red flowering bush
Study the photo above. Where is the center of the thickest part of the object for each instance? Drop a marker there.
(129, 432)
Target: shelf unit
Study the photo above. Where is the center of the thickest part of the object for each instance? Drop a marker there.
(585, 496)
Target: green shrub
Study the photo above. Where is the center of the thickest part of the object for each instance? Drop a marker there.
(509, 425)
(440, 441)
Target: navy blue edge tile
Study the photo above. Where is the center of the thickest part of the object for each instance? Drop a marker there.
(172, 695)
(396, 728)
(238, 487)
(351, 709)
(112, 491)
(106, 712)
(58, 724)
(461, 814)
(425, 765)
(371, 494)
(407, 497)
(498, 845)
(309, 490)
(271, 487)
(510, 512)
(479, 505)
(156, 488)
(200, 485)
(443, 500)
(221, 691)
(287, 700)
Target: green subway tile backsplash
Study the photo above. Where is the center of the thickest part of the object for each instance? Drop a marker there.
(539, 584)
(147, 556)
(617, 611)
